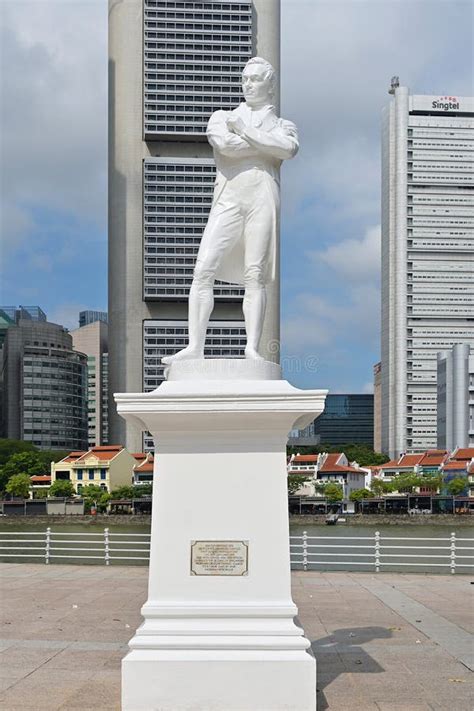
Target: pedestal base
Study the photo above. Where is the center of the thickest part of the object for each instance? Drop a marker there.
(238, 681)
(219, 631)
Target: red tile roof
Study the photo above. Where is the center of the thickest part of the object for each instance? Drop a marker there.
(139, 455)
(40, 479)
(459, 466)
(146, 466)
(434, 457)
(464, 453)
(305, 458)
(410, 460)
(339, 468)
(103, 454)
(392, 464)
(73, 456)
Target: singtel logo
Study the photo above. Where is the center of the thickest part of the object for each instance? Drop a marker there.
(446, 103)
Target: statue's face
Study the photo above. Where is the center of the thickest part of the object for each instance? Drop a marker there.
(255, 85)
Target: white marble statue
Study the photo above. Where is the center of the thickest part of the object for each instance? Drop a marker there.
(239, 242)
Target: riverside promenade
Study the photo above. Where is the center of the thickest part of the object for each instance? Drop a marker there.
(383, 642)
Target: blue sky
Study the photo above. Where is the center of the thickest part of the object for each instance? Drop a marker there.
(337, 61)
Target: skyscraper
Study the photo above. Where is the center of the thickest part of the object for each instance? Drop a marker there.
(171, 65)
(427, 256)
(44, 386)
(92, 339)
(456, 397)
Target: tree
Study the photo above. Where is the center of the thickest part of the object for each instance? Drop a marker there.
(296, 481)
(19, 485)
(29, 463)
(333, 492)
(142, 490)
(94, 495)
(457, 486)
(62, 488)
(431, 482)
(123, 492)
(9, 447)
(360, 494)
(406, 483)
(379, 486)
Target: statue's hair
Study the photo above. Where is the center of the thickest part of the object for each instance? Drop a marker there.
(269, 73)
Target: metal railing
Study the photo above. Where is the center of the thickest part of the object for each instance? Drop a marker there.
(104, 547)
(374, 553)
(377, 552)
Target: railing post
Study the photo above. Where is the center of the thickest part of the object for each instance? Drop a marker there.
(47, 550)
(452, 564)
(377, 551)
(106, 546)
(305, 550)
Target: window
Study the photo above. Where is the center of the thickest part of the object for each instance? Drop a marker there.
(103, 474)
(79, 475)
(91, 473)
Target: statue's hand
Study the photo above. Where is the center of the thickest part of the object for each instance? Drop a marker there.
(236, 125)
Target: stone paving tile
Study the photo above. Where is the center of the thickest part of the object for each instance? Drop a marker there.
(370, 658)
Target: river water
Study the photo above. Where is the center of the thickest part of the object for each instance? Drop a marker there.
(328, 547)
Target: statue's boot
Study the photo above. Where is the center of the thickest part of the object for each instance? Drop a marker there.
(255, 301)
(200, 305)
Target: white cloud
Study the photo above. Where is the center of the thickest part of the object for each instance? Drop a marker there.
(54, 130)
(356, 260)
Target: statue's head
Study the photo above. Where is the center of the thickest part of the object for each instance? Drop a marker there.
(258, 81)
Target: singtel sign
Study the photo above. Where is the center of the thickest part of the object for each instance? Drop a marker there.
(446, 103)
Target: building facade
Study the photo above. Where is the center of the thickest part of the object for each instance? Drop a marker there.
(87, 317)
(92, 339)
(171, 65)
(455, 397)
(427, 256)
(44, 385)
(346, 419)
(108, 467)
(378, 407)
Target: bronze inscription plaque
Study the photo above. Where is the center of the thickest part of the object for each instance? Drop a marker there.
(219, 557)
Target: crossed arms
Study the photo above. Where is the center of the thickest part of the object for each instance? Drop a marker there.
(231, 137)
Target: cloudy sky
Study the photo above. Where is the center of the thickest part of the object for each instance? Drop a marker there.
(337, 60)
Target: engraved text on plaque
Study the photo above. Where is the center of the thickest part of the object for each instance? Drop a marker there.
(219, 557)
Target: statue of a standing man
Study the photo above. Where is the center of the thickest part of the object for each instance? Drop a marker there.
(239, 242)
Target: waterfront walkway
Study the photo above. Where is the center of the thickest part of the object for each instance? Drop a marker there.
(386, 642)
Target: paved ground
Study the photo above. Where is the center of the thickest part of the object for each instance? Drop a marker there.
(386, 642)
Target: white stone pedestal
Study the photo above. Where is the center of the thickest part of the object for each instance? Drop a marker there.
(223, 639)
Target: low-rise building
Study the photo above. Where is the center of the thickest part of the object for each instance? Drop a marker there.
(334, 468)
(107, 466)
(143, 470)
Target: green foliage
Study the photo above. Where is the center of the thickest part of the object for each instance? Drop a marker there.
(61, 488)
(360, 494)
(333, 492)
(457, 486)
(19, 485)
(93, 495)
(379, 487)
(29, 461)
(9, 447)
(406, 483)
(132, 492)
(296, 481)
(123, 492)
(431, 482)
(361, 453)
(42, 493)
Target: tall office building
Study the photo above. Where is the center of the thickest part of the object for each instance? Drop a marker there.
(92, 339)
(87, 317)
(171, 64)
(456, 397)
(427, 256)
(347, 419)
(44, 386)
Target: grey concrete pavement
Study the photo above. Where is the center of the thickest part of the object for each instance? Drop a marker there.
(385, 642)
